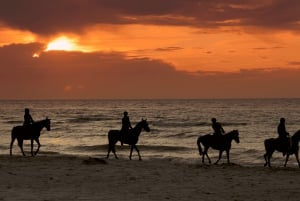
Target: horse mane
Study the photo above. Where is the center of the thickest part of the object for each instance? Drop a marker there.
(233, 132)
(296, 135)
(40, 121)
(139, 124)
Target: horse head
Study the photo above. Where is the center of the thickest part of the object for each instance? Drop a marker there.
(235, 135)
(47, 124)
(144, 125)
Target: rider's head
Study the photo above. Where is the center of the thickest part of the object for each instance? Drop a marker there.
(26, 110)
(125, 113)
(282, 120)
(214, 120)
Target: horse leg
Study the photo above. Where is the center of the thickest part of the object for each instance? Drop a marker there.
(286, 159)
(20, 143)
(209, 161)
(108, 151)
(266, 159)
(31, 145)
(11, 145)
(220, 156)
(205, 154)
(297, 158)
(199, 146)
(111, 147)
(112, 140)
(227, 153)
(130, 154)
(138, 151)
(268, 156)
(39, 145)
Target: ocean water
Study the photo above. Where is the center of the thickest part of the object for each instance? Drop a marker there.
(80, 127)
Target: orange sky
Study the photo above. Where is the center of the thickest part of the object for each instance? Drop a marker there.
(146, 49)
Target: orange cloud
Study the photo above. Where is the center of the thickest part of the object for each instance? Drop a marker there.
(113, 75)
(114, 46)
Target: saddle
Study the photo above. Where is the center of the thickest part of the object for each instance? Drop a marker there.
(26, 127)
(218, 139)
(123, 134)
(285, 144)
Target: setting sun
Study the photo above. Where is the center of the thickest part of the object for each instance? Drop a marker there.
(62, 43)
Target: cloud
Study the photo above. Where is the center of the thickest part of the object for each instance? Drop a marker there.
(294, 63)
(60, 75)
(167, 49)
(49, 17)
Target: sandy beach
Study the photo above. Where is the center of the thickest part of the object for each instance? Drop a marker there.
(60, 177)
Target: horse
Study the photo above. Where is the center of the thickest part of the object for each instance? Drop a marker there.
(29, 132)
(130, 138)
(221, 143)
(276, 144)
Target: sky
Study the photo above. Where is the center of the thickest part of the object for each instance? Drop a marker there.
(144, 49)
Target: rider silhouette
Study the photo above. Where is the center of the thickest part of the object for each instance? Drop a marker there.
(126, 125)
(217, 127)
(27, 118)
(283, 135)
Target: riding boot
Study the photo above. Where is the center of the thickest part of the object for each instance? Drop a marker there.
(121, 137)
(121, 140)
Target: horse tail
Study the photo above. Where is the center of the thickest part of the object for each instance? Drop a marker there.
(14, 132)
(113, 137)
(267, 144)
(199, 145)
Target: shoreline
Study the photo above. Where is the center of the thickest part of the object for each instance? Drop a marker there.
(68, 177)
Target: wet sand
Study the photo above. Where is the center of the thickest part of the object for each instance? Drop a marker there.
(60, 177)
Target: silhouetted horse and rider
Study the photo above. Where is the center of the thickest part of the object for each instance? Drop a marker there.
(131, 137)
(284, 143)
(29, 132)
(219, 141)
(276, 144)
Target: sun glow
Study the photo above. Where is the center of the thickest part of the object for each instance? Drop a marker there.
(61, 43)
(36, 55)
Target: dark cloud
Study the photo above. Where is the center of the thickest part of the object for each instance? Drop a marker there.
(48, 17)
(59, 75)
(294, 63)
(167, 49)
(260, 48)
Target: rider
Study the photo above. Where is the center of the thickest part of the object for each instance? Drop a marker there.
(217, 127)
(27, 118)
(283, 134)
(126, 125)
